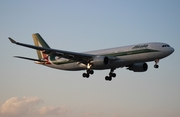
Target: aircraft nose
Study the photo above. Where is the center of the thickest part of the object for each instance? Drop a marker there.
(172, 50)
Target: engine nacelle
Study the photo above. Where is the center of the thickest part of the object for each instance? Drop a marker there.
(100, 61)
(138, 67)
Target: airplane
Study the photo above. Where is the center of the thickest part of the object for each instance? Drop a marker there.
(133, 57)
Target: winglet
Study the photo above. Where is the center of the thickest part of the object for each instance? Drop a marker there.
(12, 41)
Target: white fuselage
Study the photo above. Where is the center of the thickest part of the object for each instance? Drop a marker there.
(126, 55)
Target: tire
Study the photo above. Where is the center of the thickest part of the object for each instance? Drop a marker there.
(107, 78)
(156, 66)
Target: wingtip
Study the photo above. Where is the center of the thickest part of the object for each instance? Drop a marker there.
(12, 41)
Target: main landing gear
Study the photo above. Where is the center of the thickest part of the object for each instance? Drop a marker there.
(111, 74)
(88, 72)
(156, 63)
(107, 78)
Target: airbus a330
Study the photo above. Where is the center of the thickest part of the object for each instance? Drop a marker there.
(133, 57)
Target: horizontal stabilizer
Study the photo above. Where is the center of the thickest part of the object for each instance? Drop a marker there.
(32, 59)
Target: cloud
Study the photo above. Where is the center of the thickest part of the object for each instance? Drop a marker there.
(32, 107)
(19, 106)
(28, 107)
(53, 111)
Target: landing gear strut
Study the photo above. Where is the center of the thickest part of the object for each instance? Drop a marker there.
(88, 72)
(156, 63)
(111, 74)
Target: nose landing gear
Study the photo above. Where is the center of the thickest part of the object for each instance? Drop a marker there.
(156, 63)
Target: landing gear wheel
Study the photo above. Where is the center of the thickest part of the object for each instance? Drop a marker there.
(112, 75)
(108, 78)
(156, 66)
(91, 72)
(85, 75)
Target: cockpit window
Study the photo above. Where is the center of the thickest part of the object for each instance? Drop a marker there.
(165, 46)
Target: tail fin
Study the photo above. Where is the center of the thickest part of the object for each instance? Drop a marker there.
(39, 41)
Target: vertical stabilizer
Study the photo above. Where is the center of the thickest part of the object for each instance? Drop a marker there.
(39, 41)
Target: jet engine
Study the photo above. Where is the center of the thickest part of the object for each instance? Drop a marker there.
(138, 67)
(100, 61)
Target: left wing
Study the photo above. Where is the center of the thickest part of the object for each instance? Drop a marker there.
(81, 57)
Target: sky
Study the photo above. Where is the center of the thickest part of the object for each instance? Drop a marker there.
(31, 90)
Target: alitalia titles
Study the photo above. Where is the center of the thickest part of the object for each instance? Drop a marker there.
(140, 46)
